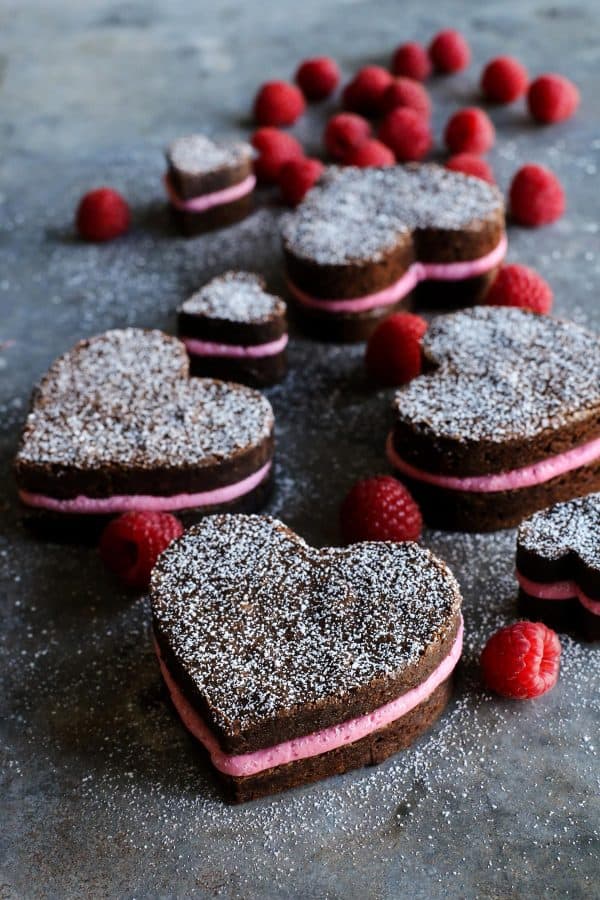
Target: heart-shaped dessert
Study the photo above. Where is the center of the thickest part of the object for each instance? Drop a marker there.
(558, 565)
(117, 424)
(505, 421)
(291, 663)
(363, 239)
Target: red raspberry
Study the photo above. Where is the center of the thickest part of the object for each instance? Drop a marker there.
(469, 164)
(406, 92)
(380, 509)
(406, 133)
(275, 148)
(552, 98)
(278, 103)
(411, 60)
(469, 131)
(363, 94)
(536, 196)
(318, 77)
(345, 132)
(131, 544)
(102, 215)
(297, 177)
(449, 51)
(522, 660)
(504, 79)
(370, 153)
(394, 350)
(516, 285)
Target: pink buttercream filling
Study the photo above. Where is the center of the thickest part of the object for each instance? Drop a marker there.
(456, 271)
(558, 590)
(207, 201)
(252, 351)
(537, 473)
(154, 503)
(319, 741)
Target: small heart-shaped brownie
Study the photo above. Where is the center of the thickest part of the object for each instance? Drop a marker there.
(117, 424)
(558, 565)
(363, 239)
(505, 421)
(291, 663)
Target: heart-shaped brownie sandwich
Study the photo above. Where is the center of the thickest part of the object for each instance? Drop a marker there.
(558, 565)
(363, 239)
(117, 424)
(290, 663)
(505, 421)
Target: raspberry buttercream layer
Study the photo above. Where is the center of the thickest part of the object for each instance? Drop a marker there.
(558, 590)
(196, 347)
(208, 201)
(417, 272)
(318, 742)
(154, 503)
(516, 479)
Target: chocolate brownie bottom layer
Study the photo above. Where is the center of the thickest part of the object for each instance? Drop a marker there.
(195, 223)
(562, 615)
(454, 294)
(341, 327)
(255, 372)
(370, 750)
(489, 511)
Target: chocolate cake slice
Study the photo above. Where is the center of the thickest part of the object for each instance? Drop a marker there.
(210, 183)
(233, 329)
(117, 424)
(363, 239)
(505, 420)
(558, 566)
(290, 663)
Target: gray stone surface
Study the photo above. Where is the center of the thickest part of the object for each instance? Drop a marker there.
(103, 793)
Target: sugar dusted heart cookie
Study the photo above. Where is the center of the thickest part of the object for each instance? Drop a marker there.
(117, 424)
(505, 421)
(290, 663)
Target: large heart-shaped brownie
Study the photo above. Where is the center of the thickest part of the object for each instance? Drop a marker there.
(271, 639)
(116, 423)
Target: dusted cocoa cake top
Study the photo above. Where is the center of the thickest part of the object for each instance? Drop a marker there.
(235, 297)
(358, 214)
(502, 373)
(262, 623)
(571, 527)
(196, 154)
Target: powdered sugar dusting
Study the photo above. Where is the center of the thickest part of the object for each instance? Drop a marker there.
(262, 622)
(235, 297)
(573, 526)
(197, 154)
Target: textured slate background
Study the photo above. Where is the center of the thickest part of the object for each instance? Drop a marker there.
(103, 793)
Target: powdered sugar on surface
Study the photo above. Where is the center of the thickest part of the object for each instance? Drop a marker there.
(235, 297)
(573, 526)
(196, 154)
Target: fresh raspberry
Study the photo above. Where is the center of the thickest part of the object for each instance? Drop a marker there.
(449, 51)
(297, 177)
(394, 350)
(318, 77)
(516, 285)
(521, 661)
(363, 94)
(345, 132)
(469, 130)
(470, 164)
(536, 196)
(131, 544)
(411, 60)
(278, 103)
(552, 98)
(406, 133)
(102, 215)
(504, 79)
(406, 92)
(275, 148)
(380, 509)
(370, 153)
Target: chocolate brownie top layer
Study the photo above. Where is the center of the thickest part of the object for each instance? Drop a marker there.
(197, 154)
(263, 625)
(500, 375)
(235, 297)
(571, 527)
(124, 398)
(358, 215)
